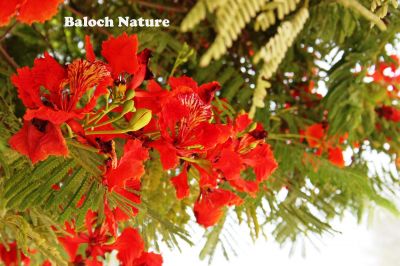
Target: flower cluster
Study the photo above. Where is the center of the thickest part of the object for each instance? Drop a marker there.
(27, 11)
(96, 103)
(316, 137)
(98, 240)
(387, 74)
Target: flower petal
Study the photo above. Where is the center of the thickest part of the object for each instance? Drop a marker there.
(38, 10)
(7, 10)
(28, 90)
(181, 185)
(90, 56)
(120, 53)
(39, 144)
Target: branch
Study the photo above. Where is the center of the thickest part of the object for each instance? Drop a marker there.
(364, 12)
(8, 58)
(3, 36)
(161, 7)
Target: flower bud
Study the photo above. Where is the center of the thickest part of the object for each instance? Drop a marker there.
(140, 119)
(129, 106)
(130, 94)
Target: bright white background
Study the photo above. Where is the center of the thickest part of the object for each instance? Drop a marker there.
(358, 245)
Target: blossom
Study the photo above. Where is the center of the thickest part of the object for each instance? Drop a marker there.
(27, 11)
(131, 252)
(52, 95)
(11, 255)
(129, 167)
(98, 241)
(335, 156)
(316, 137)
(120, 53)
(180, 183)
(246, 148)
(208, 209)
(184, 122)
(389, 113)
(38, 139)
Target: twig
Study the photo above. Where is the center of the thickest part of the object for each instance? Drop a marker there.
(45, 39)
(8, 58)
(159, 6)
(7, 31)
(364, 12)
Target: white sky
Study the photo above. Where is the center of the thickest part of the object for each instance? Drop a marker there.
(357, 245)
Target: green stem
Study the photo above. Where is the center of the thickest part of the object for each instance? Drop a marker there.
(106, 132)
(82, 146)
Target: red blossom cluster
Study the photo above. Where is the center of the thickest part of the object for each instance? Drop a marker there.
(27, 11)
(99, 239)
(316, 137)
(10, 255)
(389, 113)
(388, 75)
(97, 102)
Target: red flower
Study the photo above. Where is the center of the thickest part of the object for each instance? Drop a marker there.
(129, 245)
(96, 239)
(38, 139)
(208, 209)
(180, 183)
(52, 95)
(11, 255)
(184, 122)
(314, 135)
(27, 11)
(316, 138)
(249, 150)
(389, 113)
(131, 252)
(130, 166)
(335, 156)
(120, 53)
(124, 179)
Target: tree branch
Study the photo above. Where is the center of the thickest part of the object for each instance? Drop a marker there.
(8, 58)
(161, 7)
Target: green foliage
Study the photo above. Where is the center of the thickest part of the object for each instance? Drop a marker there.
(261, 52)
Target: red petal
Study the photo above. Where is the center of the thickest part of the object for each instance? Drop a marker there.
(183, 81)
(314, 135)
(8, 8)
(49, 114)
(230, 163)
(130, 246)
(130, 166)
(39, 145)
(48, 73)
(209, 135)
(168, 155)
(38, 10)
(180, 183)
(335, 156)
(149, 259)
(242, 122)
(120, 53)
(134, 185)
(207, 91)
(262, 160)
(13, 256)
(90, 56)
(208, 210)
(28, 90)
(71, 242)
